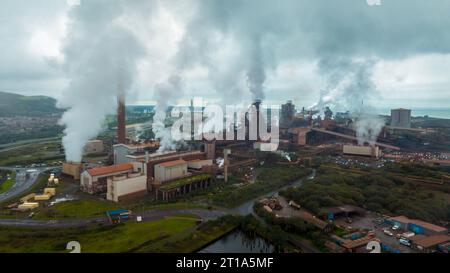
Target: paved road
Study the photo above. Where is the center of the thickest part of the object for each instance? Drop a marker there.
(23, 182)
(150, 215)
(21, 144)
(40, 169)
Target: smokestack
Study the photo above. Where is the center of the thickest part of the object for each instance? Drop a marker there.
(121, 130)
(226, 153)
(257, 104)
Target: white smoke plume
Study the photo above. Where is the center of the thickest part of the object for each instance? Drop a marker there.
(166, 95)
(100, 62)
(256, 74)
(350, 87)
(236, 41)
(239, 43)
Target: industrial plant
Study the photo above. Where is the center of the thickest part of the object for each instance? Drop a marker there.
(212, 126)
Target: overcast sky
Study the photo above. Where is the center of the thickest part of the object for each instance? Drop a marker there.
(215, 44)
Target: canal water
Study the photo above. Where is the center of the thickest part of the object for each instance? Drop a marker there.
(238, 242)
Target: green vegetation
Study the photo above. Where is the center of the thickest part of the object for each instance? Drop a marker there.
(28, 117)
(204, 235)
(167, 206)
(48, 151)
(125, 237)
(376, 191)
(412, 169)
(18, 105)
(94, 208)
(88, 208)
(272, 233)
(269, 178)
(8, 182)
(296, 229)
(185, 181)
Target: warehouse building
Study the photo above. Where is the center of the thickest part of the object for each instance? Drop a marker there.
(170, 170)
(416, 226)
(358, 150)
(94, 180)
(431, 243)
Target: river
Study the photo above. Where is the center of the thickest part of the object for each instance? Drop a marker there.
(237, 241)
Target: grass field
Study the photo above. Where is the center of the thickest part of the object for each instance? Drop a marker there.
(190, 242)
(32, 153)
(88, 208)
(92, 208)
(126, 237)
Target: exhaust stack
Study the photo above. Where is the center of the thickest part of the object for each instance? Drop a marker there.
(121, 130)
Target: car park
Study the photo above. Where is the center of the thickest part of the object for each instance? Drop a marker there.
(388, 232)
(404, 242)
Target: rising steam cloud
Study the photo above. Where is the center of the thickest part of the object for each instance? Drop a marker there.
(166, 95)
(100, 62)
(240, 43)
(350, 86)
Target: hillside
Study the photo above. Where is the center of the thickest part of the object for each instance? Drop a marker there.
(18, 105)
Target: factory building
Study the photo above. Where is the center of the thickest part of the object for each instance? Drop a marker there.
(370, 151)
(72, 169)
(126, 187)
(416, 226)
(401, 118)
(299, 135)
(157, 158)
(170, 170)
(125, 153)
(172, 178)
(199, 164)
(287, 114)
(94, 180)
(94, 147)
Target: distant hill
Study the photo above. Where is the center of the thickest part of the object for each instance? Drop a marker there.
(18, 105)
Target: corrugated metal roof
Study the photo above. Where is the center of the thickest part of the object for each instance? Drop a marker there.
(433, 240)
(173, 163)
(110, 169)
(429, 226)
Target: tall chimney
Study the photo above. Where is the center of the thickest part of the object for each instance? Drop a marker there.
(226, 153)
(121, 130)
(257, 104)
